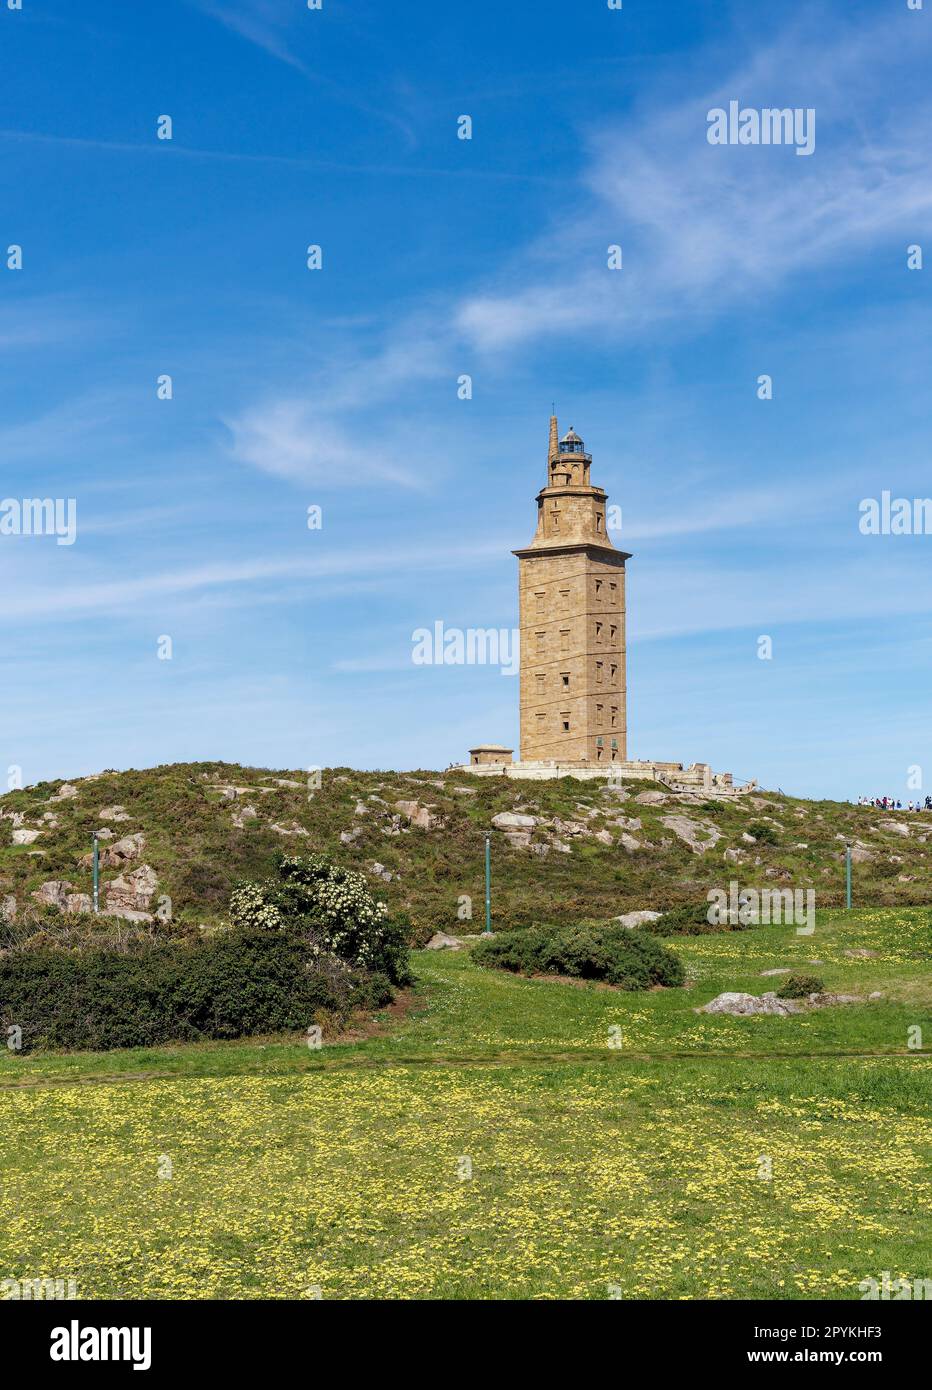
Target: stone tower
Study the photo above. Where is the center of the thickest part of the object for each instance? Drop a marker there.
(571, 596)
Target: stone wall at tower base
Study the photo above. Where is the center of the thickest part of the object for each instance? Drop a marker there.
(697, 777)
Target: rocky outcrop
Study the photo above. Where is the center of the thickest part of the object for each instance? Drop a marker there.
(440, 941)
(119, 853)
(742, 1005)
(513, 820)
(699, 836)
(66, 792)
(241, 814)
(637, 919)
(113, 813)
(293, 829)
(130, 894)
(25, 837)
(58, 892)
(422, 817)
(54, 893)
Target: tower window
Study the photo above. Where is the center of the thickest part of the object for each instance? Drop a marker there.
(598, 671)
(598, 588)
(614, 632)
(598, 632)
(598, 521)
(613, 593)
(564, 639)
(565, 678)
(614, 716)
(565, 720)
(541, 599)
(598, 718)
(614, 672)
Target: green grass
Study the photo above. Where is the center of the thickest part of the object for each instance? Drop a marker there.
(497, 1144)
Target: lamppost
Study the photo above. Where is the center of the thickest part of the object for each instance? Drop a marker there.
(96, 872)
(488, 886)
(848, 875)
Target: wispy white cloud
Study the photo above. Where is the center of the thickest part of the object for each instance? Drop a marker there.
(40, 320)
(345, 429)
(703, 227)
(274, 28)
(293, 440)
(49, 597)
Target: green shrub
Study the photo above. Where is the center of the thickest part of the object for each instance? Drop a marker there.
(225, 986)
(312, 941)
(610, 952)
(690, 919)
(333, 908)
(763, 833)
(799, 986)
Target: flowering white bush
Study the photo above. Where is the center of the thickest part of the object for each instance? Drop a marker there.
(249, 908)
(333, 904)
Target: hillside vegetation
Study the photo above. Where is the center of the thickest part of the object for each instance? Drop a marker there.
(180, 837)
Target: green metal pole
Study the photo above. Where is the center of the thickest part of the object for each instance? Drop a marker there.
(96, 872)
(488, 885)
(848, 876)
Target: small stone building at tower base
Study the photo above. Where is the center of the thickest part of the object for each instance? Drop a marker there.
(697, 777)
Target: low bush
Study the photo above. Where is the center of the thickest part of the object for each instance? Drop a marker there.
(799, 986)
(310, 944)
(691, 919)
(229, 985)
(763, 833)
(609, 952)
(333, 908)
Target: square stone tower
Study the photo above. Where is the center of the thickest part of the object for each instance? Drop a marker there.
(571, 595)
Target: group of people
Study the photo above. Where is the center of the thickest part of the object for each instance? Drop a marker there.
(893, 803)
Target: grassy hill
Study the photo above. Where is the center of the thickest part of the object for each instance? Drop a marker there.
(592, 851)
(489, 1135)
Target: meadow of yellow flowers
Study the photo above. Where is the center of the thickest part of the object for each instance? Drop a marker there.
(501, 1142)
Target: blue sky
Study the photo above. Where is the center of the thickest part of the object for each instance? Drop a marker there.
(444, 257)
